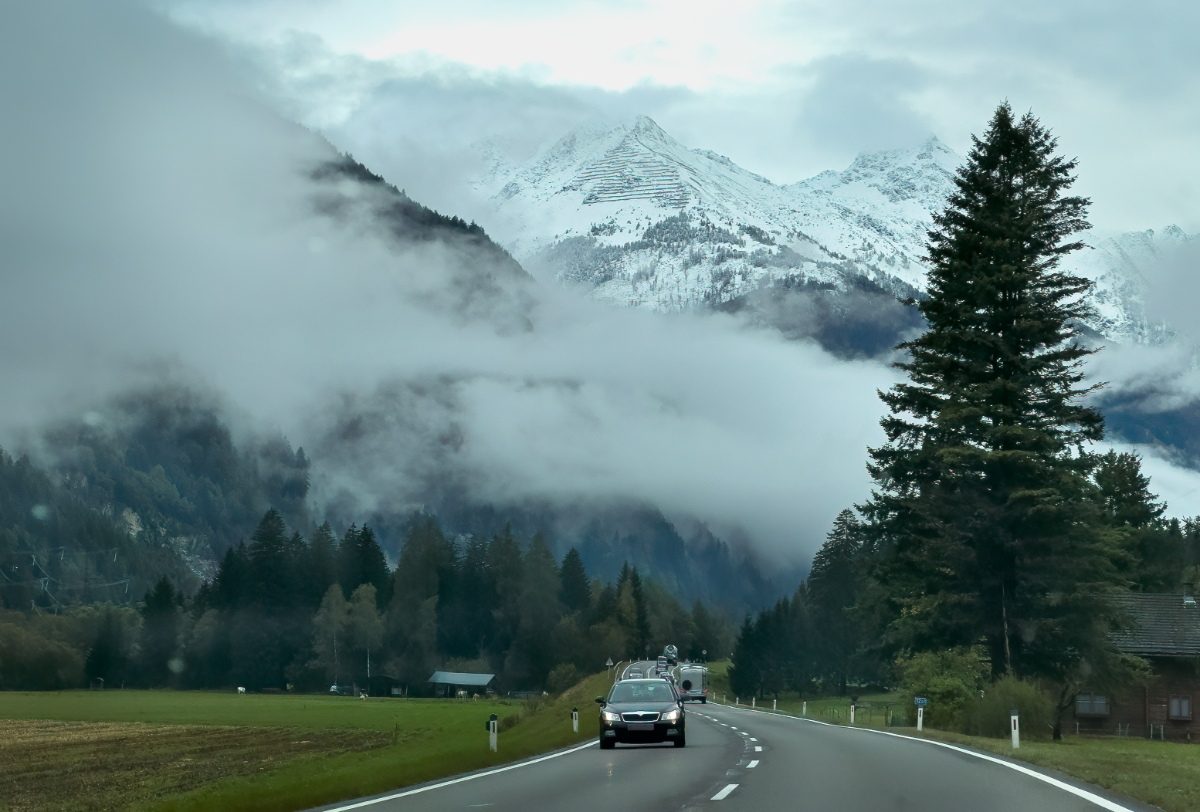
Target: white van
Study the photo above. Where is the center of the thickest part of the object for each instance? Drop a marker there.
(693, 683)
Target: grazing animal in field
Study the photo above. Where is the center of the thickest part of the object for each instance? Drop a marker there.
(474, 697)
(241, 690)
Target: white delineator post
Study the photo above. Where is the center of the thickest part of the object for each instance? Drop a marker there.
(493, 733)
(774, 704)
(851, 714)
(1016, 730)
(920, 719)
(753, 700)
(575, 720)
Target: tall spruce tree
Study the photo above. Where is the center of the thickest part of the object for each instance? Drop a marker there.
(161, 616)
(984, 516)
(833, 589)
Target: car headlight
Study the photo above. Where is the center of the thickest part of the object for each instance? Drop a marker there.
(672, 715)
(610, 716)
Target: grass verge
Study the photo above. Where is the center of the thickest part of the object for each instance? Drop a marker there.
(111, 750)
(1166, 775)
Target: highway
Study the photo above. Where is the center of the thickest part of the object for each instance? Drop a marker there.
(739, 759)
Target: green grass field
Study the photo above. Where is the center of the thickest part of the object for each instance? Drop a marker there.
(177, 750)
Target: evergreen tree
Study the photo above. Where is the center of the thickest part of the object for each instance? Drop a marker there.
(531, 656)
(423, 578)
(982, 509)
(321, 566)
(270, 562)
(1154, 557)
(161, 616)
(232, 586)
(504, 564)
(833, 589)
(361, 561)
(575, 591)
(108, 657)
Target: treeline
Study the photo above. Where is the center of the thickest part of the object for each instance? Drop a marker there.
(826, 637)
(995, 535)
(284, 612)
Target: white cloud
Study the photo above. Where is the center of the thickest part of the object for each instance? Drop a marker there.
(759, 83)
(157, 222)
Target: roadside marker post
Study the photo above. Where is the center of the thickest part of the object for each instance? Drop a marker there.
(1016, 730)
(852, 713)
(753, 700)
(920, 702)
(774, 704)
(575, 720)
(804, 708)
(493, 727)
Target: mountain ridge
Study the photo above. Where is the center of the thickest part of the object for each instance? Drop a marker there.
(629, 212)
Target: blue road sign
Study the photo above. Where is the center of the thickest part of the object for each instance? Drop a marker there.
(920, 701)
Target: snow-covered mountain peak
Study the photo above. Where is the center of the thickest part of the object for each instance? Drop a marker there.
(923, 174)
(625, 209)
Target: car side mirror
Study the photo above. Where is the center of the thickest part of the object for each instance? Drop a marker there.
(600, 701)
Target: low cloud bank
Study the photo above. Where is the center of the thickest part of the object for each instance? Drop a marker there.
(160, 221)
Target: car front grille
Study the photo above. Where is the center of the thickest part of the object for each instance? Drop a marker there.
(640, 716)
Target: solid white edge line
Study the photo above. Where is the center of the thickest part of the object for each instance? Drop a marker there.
(752, 764)
(723, 794)
(1091, 797)
(452, 781)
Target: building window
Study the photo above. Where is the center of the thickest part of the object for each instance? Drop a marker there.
(1091, 705)
(1180, 707)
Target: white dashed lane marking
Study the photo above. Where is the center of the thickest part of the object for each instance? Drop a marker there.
(723, 794)
(752, 764)
(758, 749)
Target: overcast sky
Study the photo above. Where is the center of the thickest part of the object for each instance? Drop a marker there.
(785, 88)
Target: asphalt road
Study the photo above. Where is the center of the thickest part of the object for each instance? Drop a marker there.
(738, 759)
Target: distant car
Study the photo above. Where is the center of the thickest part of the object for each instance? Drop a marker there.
(693, 683)
(640, 711)
(634, 673)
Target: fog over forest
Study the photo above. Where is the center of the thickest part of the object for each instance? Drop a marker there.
(161, 222)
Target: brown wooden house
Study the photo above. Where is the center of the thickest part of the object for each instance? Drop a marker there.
(1165, 631)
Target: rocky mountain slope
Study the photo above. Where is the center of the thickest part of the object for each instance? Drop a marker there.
(642, 220)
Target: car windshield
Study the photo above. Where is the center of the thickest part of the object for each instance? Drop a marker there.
(641, 692)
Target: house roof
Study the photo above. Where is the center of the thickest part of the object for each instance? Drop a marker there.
(1160, 625)
(460, 678)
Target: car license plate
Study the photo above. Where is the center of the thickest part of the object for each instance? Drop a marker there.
(641, 726)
